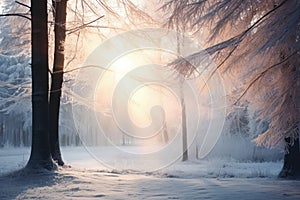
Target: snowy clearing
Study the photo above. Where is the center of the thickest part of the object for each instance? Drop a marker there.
(200, 179)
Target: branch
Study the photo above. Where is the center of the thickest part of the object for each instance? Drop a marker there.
(261, 74)
(243, 35)
(22, 4)
(83, 25)
(195, 3)
(15, 15)
(210, 50)
(235, 41)
(89, 66)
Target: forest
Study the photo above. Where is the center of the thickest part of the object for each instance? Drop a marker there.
(175, 99)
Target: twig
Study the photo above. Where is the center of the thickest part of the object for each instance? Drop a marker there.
(89, 66)
(83, 25)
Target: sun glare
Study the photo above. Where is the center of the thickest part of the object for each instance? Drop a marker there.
(133, 81)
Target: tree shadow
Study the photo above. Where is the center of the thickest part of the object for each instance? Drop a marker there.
(16, 183)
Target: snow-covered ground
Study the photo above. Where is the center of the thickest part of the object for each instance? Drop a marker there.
(87, 178)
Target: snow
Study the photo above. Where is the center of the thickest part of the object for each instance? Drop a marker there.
(87, 178)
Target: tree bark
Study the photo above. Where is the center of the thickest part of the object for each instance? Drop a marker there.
(57, 78)
(40, 156)
(291, 166)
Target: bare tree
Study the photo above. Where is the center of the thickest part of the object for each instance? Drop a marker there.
(255, 44)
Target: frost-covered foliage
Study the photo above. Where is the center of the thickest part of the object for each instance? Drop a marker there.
(239, 121)
(14, 58)
(236, 141)
(15, 117)
(255, 45)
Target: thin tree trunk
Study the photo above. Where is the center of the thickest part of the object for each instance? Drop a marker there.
(183, 112)
(57, 78)
(165, 133)
(40, 156)
(183, 125)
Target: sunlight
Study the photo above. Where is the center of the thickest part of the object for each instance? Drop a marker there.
(140, 99)
(146, 98)
(125, 69)
(123, 65)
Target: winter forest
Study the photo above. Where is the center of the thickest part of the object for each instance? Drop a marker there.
(160, 99)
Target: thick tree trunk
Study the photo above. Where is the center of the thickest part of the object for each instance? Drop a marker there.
(40, 152)
(291, 166)
(57, 78)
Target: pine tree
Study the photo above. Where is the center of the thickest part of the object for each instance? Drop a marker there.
(255, 44)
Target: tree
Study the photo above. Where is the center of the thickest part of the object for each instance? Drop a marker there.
(60, 13)
(257, 43)
(40, 156)
(183, 124)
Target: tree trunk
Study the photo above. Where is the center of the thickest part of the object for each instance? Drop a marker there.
(40, 156)
(57, 78)
(291, 166)
(165, 133)
(183, 125)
